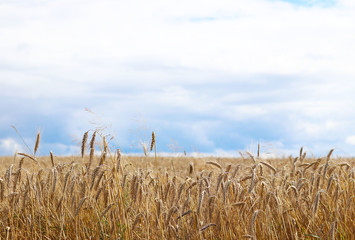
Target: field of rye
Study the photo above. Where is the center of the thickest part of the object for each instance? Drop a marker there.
(101, 194)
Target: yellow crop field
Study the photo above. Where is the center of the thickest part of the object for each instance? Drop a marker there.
(112, 196)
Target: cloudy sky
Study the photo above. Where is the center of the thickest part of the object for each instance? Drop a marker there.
(207, 76)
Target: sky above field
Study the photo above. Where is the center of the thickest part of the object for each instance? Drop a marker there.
(207, 76)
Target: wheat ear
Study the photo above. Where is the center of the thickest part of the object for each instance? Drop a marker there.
(207, 226)
(215, 164)
(37, 142)
(269, 166)
(29, 156)
(83, 143)
(52, 158)
(79, 206)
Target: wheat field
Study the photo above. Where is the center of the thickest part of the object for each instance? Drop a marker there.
(103, 194)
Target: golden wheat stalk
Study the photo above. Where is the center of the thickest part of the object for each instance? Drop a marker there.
(145, 149)
(52, 158)
(327, 163)
(91, 159)
(136, 220)
(329, 154)
(37, 143)
(251, 157)
(316, 202)
(171, 211)
(21, 162)
(83, 143)
(248, 236)
(238, 204)
(191, 168)
(2, 189)
(28, 156)
(167, 203)
(106, 210)
(105, 144)
(200, 202)
(184, 214)
(79, 206)
(152, 143)
(92, 142)
(333, 230)
(252, 222)
(258, 150)
(269, 166)
(214, 164)
(207, 226)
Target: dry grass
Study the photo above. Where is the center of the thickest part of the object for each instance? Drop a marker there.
(119, 197)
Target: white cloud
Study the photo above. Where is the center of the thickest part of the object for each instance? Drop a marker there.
(350, 140)
(265, 37)
(211, 62)
(9, 146)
